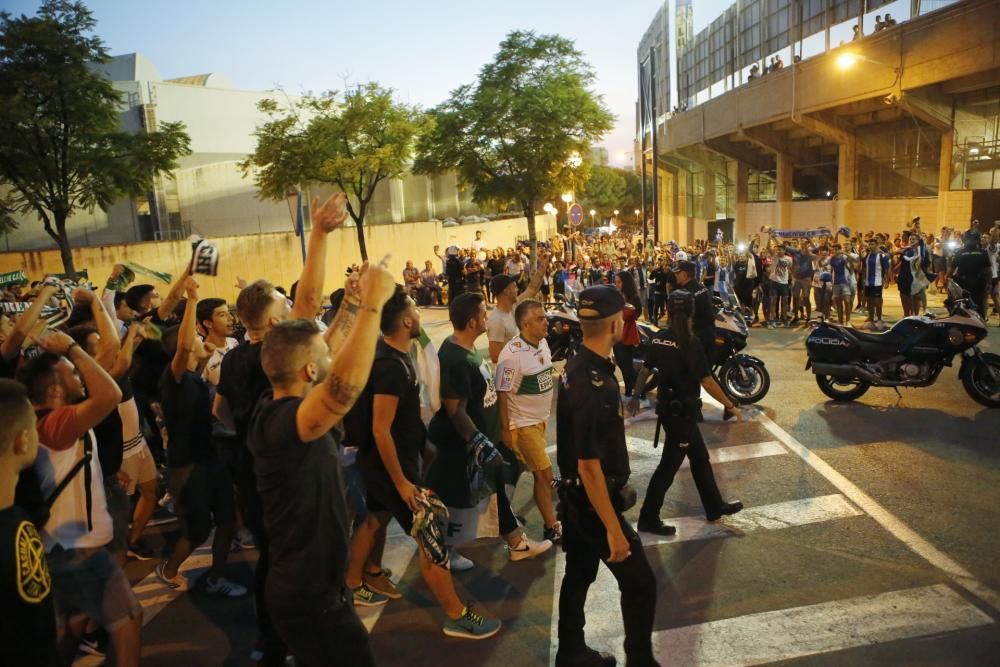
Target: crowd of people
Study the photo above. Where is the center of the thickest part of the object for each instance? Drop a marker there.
(303, 429)
(782, 279)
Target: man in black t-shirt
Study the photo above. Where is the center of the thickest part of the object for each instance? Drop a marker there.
(27, 616)
(299, 479)
(390, 465)
(593, 462)
(198, 481)
(703, 319)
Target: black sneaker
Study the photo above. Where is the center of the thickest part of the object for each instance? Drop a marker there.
(95, 643)
(141, 551)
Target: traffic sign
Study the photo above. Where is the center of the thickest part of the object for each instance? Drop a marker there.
(575, 215)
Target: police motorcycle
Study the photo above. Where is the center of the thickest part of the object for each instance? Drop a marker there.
(847, 362)
(564, 334)
(743, 377)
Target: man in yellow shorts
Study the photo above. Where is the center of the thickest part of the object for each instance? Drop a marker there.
(524, 384)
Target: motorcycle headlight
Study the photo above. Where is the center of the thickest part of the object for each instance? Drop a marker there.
(955, 336)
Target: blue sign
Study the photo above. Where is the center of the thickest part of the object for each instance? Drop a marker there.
(575, 215)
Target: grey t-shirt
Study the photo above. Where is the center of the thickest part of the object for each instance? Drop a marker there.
(500, 326)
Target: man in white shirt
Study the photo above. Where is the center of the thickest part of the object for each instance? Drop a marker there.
(479, 246)
(86, 579)
(501, 326)
(524, 386)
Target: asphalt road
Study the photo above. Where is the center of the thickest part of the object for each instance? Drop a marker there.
(870, 538)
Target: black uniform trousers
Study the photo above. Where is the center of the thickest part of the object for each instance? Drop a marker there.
(585, 542)
(683, 438)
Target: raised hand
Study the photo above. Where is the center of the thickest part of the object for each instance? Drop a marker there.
(376, 283)
(84, 295)
(331, 214)
(191, 287)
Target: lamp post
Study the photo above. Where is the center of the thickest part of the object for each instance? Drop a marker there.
(294, 200)
(848, 59)
(592, 214)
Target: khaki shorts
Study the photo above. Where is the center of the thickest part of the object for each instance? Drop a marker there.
(139, 467)
(528, 444)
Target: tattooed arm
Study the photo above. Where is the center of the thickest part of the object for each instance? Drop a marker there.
(343, 321)
(326, 404)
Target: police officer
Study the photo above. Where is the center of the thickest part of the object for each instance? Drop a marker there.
(703, 318)
(593, 493)
(970, 268)
(682, 371)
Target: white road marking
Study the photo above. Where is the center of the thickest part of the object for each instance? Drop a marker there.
(785, 634)
(154, 595)
(754, 519)
(886, 519)
(644, 458)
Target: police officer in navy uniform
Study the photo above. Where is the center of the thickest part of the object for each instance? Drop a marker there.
(703, 315)
(682, 371)
(594, 491)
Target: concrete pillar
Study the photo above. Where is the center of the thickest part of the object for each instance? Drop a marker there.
(944, 176)
(742, 194)
(847, 180)
(708, 201)
(783, 191)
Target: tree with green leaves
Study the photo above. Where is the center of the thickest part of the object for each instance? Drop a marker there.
(61, 148)
(605, 190)
(354, 144)
(510, 134)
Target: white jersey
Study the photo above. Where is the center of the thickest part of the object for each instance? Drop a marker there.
(524, 372)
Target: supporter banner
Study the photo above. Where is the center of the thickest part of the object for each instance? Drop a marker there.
(162, 276)
(800, 233)
(14, 277)
(205, 260)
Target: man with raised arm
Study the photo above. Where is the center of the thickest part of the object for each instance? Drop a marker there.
(298, 475)
(242, 382)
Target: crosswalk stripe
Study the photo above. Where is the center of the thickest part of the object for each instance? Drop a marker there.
(643, 457)
(914, 541)
(154, 595)
(603, 598)
(787, 634)
(754, 519)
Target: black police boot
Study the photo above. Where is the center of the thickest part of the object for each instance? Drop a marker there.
(587, 658)
(656, 527)
(724, 509)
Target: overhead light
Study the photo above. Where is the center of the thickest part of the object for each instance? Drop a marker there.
(974, 151)
(847, 60)
(829, 194)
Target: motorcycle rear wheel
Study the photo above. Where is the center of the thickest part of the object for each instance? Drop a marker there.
(751, 387)
(977, 381)
(841, 390)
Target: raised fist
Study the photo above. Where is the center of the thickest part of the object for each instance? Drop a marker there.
(331, 214)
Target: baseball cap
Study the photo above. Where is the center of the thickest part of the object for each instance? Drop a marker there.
(600, 301)
(688, 266)
(499, 283)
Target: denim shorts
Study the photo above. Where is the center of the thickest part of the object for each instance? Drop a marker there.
(90, 581)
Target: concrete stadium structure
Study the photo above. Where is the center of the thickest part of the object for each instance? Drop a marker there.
(898, 123)
(208, 193)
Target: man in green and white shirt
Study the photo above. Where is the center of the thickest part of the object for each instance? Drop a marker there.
(524, 384)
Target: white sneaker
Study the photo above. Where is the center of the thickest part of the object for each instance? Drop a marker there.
(223, 587)
(178, 582)
(459, 563)
(528, 548)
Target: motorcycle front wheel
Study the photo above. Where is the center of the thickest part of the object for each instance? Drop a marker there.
(978, 382)
(746, 382)
(842, 390)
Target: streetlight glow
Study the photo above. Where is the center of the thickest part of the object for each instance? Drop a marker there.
(616, 213)
(636, 212)
(574, 160)
(847, 60)
(567, 197)
(593, 212)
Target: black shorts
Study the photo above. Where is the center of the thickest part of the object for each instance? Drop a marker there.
(779, 289)
(203, 495)
(380, 493)
(873, 291)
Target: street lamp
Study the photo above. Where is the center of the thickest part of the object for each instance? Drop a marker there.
(592, 214)
(616, 213)
(294, 200)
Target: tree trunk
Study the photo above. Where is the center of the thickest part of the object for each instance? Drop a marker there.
(529, 213)
(360, 225)
(65, 251)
